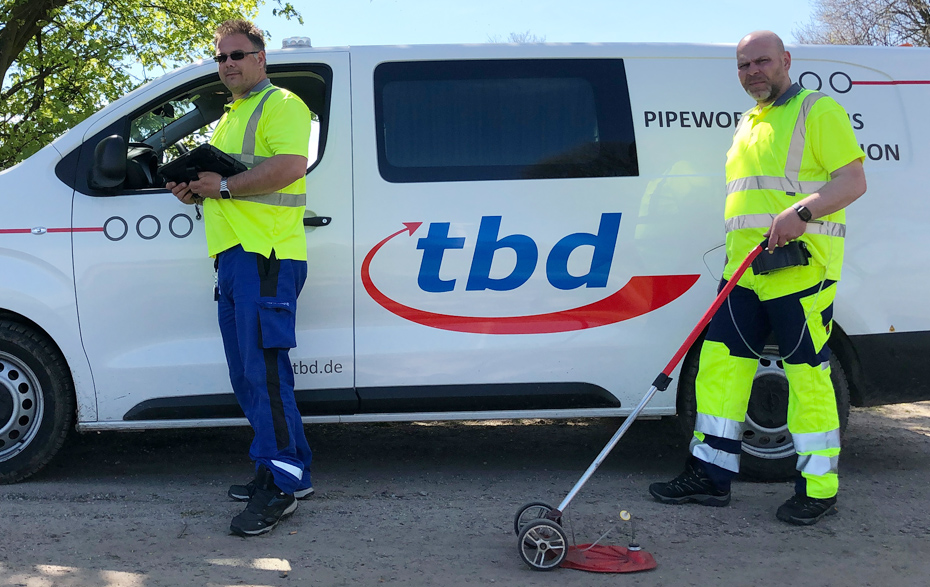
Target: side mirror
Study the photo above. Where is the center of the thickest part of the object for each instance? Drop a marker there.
(109, 168)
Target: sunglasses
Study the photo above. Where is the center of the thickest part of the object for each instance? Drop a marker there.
(235, 56)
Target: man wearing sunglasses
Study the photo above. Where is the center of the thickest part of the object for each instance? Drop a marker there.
(254, 226)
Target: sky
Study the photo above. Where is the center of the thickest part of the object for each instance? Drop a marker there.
(331, 23)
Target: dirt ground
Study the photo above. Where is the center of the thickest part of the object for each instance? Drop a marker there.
(433, 504)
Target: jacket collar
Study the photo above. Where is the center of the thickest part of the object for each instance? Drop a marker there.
(256, 89)
(791, 92)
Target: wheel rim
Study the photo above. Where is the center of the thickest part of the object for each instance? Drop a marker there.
(765, 431)
(542, 545)
(21, 406)
(528, 513)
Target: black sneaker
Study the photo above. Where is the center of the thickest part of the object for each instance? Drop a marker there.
(245, 492)
(692, 486)
(802, 510)
(268, 506)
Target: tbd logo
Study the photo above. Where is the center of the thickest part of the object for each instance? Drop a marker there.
(437, 241)
(639, 296)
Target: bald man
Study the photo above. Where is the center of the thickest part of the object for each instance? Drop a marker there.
(792, 169)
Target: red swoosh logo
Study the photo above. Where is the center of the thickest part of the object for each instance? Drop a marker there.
(639, 296)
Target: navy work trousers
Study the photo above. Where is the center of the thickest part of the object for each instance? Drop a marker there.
(257, 311)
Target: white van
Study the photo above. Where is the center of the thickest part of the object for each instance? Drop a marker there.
(516, 231)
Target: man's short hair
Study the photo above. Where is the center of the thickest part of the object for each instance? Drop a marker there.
(241, 27)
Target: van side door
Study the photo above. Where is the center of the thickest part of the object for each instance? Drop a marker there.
(144, 282)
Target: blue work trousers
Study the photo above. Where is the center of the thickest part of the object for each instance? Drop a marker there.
(257, 311)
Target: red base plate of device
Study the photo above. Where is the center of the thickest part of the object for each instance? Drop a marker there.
(604, 558)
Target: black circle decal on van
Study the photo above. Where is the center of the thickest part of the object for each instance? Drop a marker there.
(177, 234)
(106, 228)
(139, 227)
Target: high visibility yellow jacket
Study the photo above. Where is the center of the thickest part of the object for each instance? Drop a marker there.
(265, 122)
(781, 153)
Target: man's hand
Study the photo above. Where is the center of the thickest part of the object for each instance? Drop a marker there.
(183, 193)
(845, 186)
(207, 185)
(786, 227)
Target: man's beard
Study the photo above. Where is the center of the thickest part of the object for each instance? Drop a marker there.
(773, 90)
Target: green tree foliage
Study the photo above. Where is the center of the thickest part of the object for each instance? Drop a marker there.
(868, 22)
(62, 60)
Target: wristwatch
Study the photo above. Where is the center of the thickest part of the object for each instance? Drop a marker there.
(224, 191)
(803, 213)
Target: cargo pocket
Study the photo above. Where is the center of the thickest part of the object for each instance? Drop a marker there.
(276, 321)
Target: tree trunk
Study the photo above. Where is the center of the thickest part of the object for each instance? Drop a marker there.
(24, 20)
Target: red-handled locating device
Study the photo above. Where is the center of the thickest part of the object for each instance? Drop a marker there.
(543, 542)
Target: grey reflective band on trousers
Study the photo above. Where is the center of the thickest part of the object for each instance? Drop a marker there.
(814, 464)
(823, 227)
(718, 426)
(790, 183)
(818, 465)
(714, 456)
(250, 159)
(813, 441)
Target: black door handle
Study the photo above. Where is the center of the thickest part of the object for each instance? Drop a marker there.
(317, 221)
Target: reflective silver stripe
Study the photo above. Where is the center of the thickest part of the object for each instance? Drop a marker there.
(250, 161)
(717, 426)
(823, 227)
(724, 460)
(768, 182)
(818, 464)
(251, 129)
(276, 199)
(742, 119)
(289, 469)
(796, 148)
(749, 221)
(790, 183)
(811, 441)
(826, 228)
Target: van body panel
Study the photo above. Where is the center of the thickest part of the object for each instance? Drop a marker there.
(36, 262)
(446, 288)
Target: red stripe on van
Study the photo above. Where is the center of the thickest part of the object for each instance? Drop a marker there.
(29, 230)
(893, 83)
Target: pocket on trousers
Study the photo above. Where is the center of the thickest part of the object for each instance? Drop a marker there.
(277, 320)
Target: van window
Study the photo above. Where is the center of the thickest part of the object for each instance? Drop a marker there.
(170, 125)
(503, 119)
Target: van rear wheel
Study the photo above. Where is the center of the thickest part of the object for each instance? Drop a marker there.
(36, 401)
(768, 449)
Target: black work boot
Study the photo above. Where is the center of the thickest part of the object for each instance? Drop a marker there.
(692, 486)
(245, 492)
(267, 506)
(802, 510)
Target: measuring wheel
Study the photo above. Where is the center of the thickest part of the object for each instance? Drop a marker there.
(542, 544)
(531, 511)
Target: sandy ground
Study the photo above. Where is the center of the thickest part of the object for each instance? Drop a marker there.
(433, 504)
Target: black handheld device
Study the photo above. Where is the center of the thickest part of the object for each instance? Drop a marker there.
(793, 254)
(206, 157)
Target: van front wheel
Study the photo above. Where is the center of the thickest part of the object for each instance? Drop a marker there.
(768, 449)
(36, 401)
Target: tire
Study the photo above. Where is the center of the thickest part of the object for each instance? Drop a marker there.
(768, 450)
(36, 401)
(531, 511)
(542, 545)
